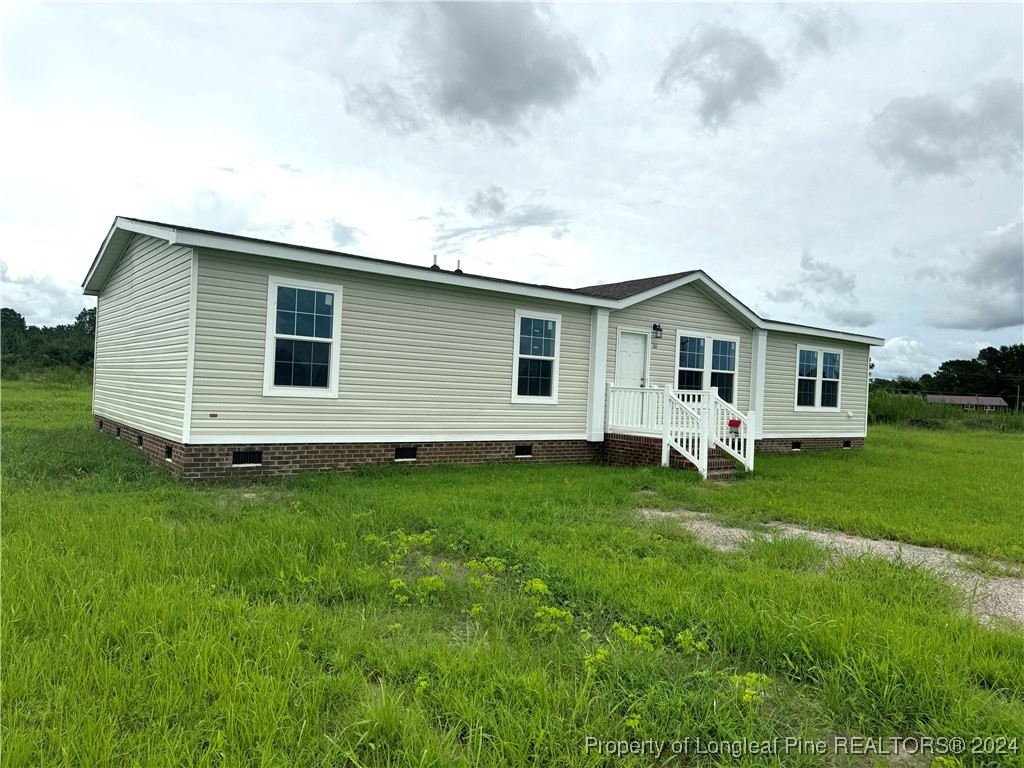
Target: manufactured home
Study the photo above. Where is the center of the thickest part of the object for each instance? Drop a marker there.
(219, 355)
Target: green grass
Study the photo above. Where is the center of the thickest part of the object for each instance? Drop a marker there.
(955, 489)
(357, 620)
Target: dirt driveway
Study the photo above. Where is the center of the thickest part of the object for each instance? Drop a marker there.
(986, 596)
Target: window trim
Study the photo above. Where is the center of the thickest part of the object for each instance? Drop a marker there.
(709, 339)
(551, 399)
(331, 391)
(818, 407)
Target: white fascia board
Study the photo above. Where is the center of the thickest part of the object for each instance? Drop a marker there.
(340, 261)
(143, 228)
(113, 247)
(257, 439)
(823, 333)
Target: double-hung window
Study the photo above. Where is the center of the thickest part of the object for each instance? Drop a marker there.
(535, 363)
(707, 361)
(303, 337)
(817, 378)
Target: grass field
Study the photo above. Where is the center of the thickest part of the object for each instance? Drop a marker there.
(958, 489)
(496, 615)
(885, 407)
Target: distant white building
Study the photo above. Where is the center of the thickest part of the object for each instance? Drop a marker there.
(971, 402)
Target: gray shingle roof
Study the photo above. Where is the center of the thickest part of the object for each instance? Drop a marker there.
(629, 288)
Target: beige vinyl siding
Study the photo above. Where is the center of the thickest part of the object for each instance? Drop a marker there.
(142, 338)
(684, 308)
(781, 419)
(417, 359)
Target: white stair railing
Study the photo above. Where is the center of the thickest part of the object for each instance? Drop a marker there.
(684, 429)
(732, 430)
(691, 422)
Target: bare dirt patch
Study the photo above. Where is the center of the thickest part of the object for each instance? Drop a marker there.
(985, 596)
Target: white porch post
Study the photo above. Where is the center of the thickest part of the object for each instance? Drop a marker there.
(666, 418)
(597, 389)
(748, 445)
(758, 356)
(705, 439)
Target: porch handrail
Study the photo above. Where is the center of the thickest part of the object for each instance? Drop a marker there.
(690, 421)
(637, 410)
(738, 440)
(685, 430)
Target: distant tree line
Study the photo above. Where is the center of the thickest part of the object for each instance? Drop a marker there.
(28, 349)
(996, 372)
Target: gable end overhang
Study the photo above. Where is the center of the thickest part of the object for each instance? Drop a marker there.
(113, 247)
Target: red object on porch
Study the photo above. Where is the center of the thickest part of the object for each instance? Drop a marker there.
(733, 423)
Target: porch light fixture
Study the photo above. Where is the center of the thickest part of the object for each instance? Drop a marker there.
(657, 330)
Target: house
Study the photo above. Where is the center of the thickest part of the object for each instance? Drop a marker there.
(971, 402)
(219, 355)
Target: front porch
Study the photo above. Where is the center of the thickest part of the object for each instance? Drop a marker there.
(685, 428)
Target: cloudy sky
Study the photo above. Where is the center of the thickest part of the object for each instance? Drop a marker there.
(857, 167)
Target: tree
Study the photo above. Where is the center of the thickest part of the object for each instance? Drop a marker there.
(28, 348)
(12, 331)
(961, 377)
(85, 323)
(1005, 367)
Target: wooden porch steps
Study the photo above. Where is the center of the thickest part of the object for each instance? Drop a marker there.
(720, 465)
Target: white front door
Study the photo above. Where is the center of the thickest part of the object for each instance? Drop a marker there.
(631, 360)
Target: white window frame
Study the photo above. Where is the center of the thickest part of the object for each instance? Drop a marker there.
(331, 391)
(552, 399)
(709, 340)
(821, 351)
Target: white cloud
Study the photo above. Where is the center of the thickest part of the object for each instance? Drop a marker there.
(728, 68)
(41, 299)
(927, 135)
(824, 288)
(989, 292)
(903, 356)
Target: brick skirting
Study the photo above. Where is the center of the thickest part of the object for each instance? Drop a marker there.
(207, 462)
(793, 444)
(204, 462)
(645, 451)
